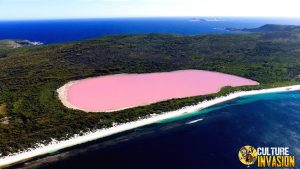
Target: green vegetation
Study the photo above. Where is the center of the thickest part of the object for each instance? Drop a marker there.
(3, 110)
(30, 76)
(8, 44)
(275, 28)
(4, 44)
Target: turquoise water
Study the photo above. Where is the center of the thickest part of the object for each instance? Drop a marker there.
(240, 101)
(210, 138)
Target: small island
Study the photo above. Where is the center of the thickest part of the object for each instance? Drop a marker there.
(205, 20)
(198, 20)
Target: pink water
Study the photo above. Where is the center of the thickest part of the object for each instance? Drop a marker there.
(115, 92)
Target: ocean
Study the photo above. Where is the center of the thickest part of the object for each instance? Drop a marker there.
(209, 138)
(57, 31)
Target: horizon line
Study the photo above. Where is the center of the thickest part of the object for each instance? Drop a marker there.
(136, 17)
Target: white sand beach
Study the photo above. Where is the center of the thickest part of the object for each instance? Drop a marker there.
(93, 135)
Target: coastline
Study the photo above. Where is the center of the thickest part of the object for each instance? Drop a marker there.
(93, 135)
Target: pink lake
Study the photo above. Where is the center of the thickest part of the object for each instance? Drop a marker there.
(117, 92)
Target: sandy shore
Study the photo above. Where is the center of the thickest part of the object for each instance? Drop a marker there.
(93, 135)
(62, 95)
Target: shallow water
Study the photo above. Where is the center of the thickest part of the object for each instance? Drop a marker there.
(210, 138)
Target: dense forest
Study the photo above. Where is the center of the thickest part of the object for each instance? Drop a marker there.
(31, 113)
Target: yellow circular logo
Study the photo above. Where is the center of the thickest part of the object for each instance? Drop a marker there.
(248, 155)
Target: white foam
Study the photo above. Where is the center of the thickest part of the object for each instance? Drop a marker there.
(194, 121)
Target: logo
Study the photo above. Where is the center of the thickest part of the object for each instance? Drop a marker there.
(271, 157)
(248, 155)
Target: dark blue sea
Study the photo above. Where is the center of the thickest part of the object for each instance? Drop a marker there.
(208, 139)
(55, 31)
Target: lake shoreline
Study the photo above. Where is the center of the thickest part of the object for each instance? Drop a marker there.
(117, 128)
(111, 93)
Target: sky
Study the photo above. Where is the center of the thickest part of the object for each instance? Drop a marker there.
(62, 9)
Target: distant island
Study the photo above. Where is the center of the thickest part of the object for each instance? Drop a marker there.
(31, 113)
(204, 20)
(198, 20)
